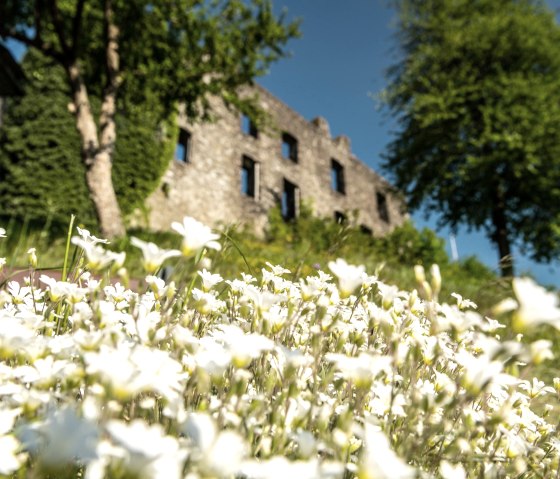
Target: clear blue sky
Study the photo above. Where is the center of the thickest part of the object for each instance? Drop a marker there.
(336, 69)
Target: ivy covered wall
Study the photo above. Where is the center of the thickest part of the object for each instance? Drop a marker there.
(41, 171)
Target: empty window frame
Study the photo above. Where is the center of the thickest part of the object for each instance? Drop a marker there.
(289, 201)
(248, 127)
(340, 217)
(182, 150)
(289, 147)
(337, 177)
(382, 209)
(249, 172)
(366, 230)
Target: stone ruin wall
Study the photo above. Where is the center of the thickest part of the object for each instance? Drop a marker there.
(208, 186)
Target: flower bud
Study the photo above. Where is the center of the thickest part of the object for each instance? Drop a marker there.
(436, 279)
(32, 257)
(419, 274)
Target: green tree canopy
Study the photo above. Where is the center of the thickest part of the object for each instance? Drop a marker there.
(477, 99)
(184, 50)
(40, 150)
(42, 177)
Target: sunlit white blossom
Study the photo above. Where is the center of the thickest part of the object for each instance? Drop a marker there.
(195, 236)
(61, 438)
(154, 256)
(150, 453)
(350, 277)
(536, 305)
(209, 280)
(217, 453)
(379, 461)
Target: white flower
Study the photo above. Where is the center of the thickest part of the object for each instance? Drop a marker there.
(278, 467)
(157, 285)
(154, 256)
(535, 388)
(212, 357)
(209, 280)
(205, 303)
(62, 289)
(97, 256)
(218, 454)
(263, 300)
(536, 305)
(89, 238)
(450, 471)
(306, 442)
(10, 460)
(243, 346)
(7, 419)
(379, 461)
(349, 276)
(277, 270)
(195, 236)
(360, 370)
(151, 454)
(62, 438)
(541, 350)
(463, 303)
(2, 233)
(479, 372)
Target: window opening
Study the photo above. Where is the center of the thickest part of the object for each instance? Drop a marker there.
(182, 150)
(337, 177)
(289, 147)
(340, 218)
(289, 201)
(248, 177)
(248, 127)
(366, 230)
(382, 210)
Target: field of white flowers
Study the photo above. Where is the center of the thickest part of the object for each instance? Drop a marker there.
(334, 376)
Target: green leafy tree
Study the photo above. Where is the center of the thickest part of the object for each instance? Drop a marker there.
(477, 99)
(39, 146)
(38, 151)
(183, 50)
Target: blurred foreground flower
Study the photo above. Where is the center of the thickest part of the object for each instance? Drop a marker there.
(535, 305)
(195, 236)
(379, 461)
(154, 256)
(350, 277)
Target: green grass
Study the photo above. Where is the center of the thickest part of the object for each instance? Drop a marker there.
(303, 247)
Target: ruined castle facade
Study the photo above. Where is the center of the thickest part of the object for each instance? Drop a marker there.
(228, 172)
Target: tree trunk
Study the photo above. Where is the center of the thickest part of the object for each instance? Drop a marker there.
(97, 160)
(501, 234)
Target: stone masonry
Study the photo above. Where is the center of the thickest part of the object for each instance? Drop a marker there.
(226, 172)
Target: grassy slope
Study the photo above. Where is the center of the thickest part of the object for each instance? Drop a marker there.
(302, 247)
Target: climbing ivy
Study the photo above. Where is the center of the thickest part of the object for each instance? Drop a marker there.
(40, 159)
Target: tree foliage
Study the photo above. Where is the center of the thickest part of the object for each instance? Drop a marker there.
(477, 98)
(40, 151)
(185, 50)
